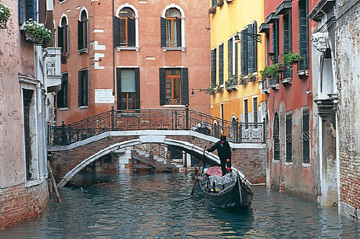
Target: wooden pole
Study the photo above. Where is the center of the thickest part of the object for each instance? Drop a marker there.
(196, 172)
(53, 182)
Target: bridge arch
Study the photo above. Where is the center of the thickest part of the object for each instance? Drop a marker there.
(186, 146)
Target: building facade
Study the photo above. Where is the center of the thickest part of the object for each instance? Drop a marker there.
(131, 55)
(29, 76)
(335, 58)
(237, 53)
(287, 84)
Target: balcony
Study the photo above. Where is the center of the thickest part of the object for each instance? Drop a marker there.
(53, 69)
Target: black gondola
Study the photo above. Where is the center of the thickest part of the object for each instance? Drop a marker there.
(231, 190)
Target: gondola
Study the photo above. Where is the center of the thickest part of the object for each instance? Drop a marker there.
(229, 191)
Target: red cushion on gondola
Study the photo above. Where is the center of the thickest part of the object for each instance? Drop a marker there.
(214, 171)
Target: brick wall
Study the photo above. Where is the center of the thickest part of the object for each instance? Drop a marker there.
(20, 203)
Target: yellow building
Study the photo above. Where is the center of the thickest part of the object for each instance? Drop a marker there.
(237, 56)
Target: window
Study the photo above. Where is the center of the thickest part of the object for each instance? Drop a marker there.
(306, 137)
(230, 57)
(83, 31)
(128, 89)
(63, 36)
(213, 67)
(289, 137)
(275, 42)
(276, 137)
(28, 102)
(125, 28)
(83, 88)
(222, 116)
(27, 10)
(174, 86)
(255, 110)
(221, 64)
(63, 94)
(246, 113)
(287, 41)
(171, 28)
(303, 34)
(249, 49)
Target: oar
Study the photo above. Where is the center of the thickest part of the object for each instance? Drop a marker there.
(196, 172)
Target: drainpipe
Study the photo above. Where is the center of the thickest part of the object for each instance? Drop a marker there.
(112, 21)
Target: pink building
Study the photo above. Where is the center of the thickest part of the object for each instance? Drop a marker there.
(291, 165)
(131, 55)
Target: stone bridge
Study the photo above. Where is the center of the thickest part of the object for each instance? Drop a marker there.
(77, 145)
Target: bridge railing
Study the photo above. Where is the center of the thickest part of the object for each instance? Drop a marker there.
(156, 119)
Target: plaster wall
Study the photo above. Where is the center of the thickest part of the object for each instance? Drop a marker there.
(103, 58)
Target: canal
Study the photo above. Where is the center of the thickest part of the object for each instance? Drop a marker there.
(160, 206)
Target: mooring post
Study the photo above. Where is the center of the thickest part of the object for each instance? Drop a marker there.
(187, 116)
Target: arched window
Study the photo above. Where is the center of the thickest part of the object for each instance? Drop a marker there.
(171, 28)
(63, 36)
(83, 31)
(276, 137)
(125, 28)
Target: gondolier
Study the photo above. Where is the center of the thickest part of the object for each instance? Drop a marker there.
(224, 152)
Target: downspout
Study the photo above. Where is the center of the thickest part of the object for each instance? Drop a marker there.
(112, 20)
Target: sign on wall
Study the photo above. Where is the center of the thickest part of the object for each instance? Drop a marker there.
(104, 96)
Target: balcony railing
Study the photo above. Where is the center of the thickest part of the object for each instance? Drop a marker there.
(155, 119)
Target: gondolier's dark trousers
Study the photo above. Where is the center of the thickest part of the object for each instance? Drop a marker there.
(224, 165)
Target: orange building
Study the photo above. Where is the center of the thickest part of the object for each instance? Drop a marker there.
(131, 55)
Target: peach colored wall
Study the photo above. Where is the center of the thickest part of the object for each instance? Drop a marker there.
(196, 56)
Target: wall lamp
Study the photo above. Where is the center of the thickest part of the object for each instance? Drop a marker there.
(256, 37)
(201, 90)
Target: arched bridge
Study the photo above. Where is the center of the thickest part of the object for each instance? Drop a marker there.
(76, 145)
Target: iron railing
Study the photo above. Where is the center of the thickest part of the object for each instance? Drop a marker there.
(155, 119)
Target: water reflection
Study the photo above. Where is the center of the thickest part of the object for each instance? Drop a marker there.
(160, 206)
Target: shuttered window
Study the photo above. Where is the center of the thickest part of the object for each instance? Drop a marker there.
(306, 137)
(287, 40)
(83, 88)
(221, 64)
(275, 41)
(125, 28)
(63, 36)
(246, 112)
(27, 10)
(174, 86)
(230, 57)
(276, 137)
(171, 28)
(249, 49)
(128, 88)
(83, 31)
(63, 94)
(255, 110)
(289, 138)
(303, 34)
(213, 67)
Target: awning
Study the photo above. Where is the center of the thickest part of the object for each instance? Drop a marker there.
(271, 18)
(285, 5)
(264, 28)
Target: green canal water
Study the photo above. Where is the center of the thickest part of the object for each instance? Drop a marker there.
(160, 206)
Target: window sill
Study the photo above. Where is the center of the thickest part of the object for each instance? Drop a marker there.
(32, 183)
(173, 48)
(306, 165)
(64, 109)
(84, 50)
(288, 163)
(84, 107)
(174, 106)
(135, 48)
(275, 161)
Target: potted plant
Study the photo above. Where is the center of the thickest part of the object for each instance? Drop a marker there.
(36, 33)
(4, 15)
(220, 2)
(242, 80)
(292, 58)
(211, 90)
(271, 71)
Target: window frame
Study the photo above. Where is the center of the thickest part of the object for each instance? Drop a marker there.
(306, 136)
(288, 138)
(249, 49)
(63, 35)
(130, 23)
(221, 64)
(120, 103)
(64, 92)
(180, 29)
(213, 67)
(83, 32)
(184, 88)
(276, 138)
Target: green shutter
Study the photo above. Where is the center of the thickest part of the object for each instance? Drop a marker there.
(61, 38)
(243, 53)
(213, 67)
(116, 33)
(230, 57)
(131, 32)
(254, 54)
(178, 32)
(118, 88)
(163, 31)
(80, 88)
(250, 59)
(221, 64)
(21, 12)
(80, 35)
(184, 86)
(162, 77)
(137, 86)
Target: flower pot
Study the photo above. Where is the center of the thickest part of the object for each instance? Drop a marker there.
(212, 10)
(33, 39)
(220, 3)
(3, 24)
